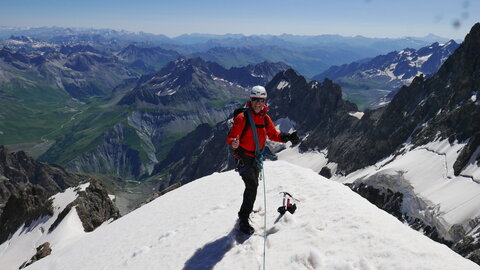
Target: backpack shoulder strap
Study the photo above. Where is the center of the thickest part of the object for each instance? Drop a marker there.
(247, 123)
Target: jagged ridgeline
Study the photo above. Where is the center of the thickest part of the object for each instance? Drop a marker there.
(131, 135)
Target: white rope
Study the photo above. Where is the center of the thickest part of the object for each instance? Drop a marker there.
(264, 221)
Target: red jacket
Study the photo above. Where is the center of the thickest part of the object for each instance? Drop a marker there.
(247, 141)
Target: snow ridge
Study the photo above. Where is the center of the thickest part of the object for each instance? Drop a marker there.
(193, 227)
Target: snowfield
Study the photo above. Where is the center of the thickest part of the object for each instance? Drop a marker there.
(193, 227)
(424, 175)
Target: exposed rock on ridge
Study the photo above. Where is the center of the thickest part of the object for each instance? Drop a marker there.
(25, 186)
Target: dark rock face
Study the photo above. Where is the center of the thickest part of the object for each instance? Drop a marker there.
(326, 172)
(42, 251)
(19, 171)
(25, 186)
(469, 247)
(467, 154)
(93, 207)
(309, 105)
(23, 208)
(387, 200)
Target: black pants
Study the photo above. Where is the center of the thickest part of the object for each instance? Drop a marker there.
(249, 172)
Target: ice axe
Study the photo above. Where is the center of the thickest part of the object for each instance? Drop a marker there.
(287, 204)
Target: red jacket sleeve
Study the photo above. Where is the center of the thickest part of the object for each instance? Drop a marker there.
(272, 132)
(237, 128)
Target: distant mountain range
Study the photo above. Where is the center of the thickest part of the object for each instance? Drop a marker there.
(309, 55)
(385, 73)
(225, 40)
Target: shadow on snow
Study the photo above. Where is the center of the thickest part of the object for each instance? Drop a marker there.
(212, 253)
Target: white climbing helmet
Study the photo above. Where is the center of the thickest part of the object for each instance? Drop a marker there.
(258, 92)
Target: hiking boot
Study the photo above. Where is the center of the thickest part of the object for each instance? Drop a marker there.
(245, 227)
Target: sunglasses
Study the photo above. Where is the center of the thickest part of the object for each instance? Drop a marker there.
(262, 100)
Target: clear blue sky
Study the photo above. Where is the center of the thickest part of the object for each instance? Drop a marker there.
(371, 18)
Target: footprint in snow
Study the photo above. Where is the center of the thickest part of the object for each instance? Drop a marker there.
(165, 235)
(218, 207)
(140, 251)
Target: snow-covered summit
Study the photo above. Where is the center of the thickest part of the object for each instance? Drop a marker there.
(394, 69)
(193, 227)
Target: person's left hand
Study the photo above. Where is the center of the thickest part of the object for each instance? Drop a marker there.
(293, 137)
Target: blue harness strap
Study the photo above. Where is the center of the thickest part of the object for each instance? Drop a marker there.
(259, 158)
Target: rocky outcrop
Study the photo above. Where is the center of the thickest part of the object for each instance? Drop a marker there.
(311, 105)
(42, 251)
(19, 172)
(23, 208)
(468, 154)
(93, 207)
(469, 247)
(25, 186)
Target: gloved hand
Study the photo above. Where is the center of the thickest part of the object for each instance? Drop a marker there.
(292, 137)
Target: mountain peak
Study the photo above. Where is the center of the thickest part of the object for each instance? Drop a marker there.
(474, 34)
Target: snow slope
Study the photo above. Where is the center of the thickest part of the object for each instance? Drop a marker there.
(425, 176)
(193, 228)
(437, 195)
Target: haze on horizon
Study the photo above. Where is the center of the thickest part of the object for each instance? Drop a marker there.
(370, 18)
